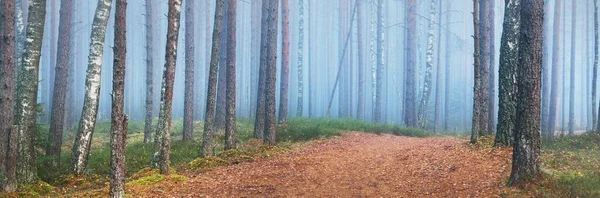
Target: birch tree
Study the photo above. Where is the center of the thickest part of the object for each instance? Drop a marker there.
(83, 138)
(509, 53)
(27, 86)
(162, 137)
(526, 150)
(428, 69)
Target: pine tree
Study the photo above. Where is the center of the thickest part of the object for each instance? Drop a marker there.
(285, 62)
(188, 114)
(230, 130)
(8, 133)
(149, 20)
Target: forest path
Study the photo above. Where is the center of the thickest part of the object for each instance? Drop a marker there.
(356, 165)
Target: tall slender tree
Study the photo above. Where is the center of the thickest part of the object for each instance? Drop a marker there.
(526, 150)
(220, 110)
(162, 138)
(428, 69)
(491, 127)
(484, 54)
(595, 70)
(572, 78)
(300, 58)
(188, 114)
(268, 63)
(285, 62)
(477, 96)
(57, 115)
(438, 72)
(27, 86)
(119, 121)
(83, 138)
(380, 58)
(360, 108)
(410, 117)
(149, 69)
(8, 133)
(509, 53)
(554, 88)
(231, 54)
(546, 68)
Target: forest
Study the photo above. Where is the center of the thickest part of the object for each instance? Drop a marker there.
(299, 98)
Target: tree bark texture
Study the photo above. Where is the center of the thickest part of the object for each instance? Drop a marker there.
(423, 107)
(222, 78)
(188, 114)
(149, 69)
(360, 108)
(572, 73)
(410, 117)
(300, 59)
(285, 63)
(230, 138)
(554, 88)
(477, 97)
(484, 55)
(8, 134)
(270, 64)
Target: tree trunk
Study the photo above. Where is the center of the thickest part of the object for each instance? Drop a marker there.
(259, 122)
(491, 127)
(162, 139)
(447, 76)
(149, 69)
(285, 62)
(572, 78)
(188, 114)
(8, 136)
(477, 97)
(270, 64)
(222, 78)
(230, 138)
(554, 89)
(410, 118)
(546, 62)
(428, 69)
(484, 51)
(300, 106)
(57, 115)
(212, 81)
(526, 150)
(509, 53)
(27, 89)
(595, 70)
(255, 16)
(360, 108)
(119, 121)
(83, 139)
(438, 78)
(379, 73)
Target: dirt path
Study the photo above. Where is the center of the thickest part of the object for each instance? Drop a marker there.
(356, 165)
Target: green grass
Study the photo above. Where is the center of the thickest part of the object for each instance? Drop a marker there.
(575, 162)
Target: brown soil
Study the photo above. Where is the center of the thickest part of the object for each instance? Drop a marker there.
(355, 165)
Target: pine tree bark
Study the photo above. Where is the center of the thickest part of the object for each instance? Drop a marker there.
(526, 150)
(509, 53)
(484, 55)
(546, 62)
(57, 115)
(360, 108)
(477, 97)
(380, 58)
(491, 127)
(188, 109)
(438, 72)
(595, 69)
(162, 137)
(83, 139)
(572, 73)
(222, 78)
(285, 62)
(209, 116)
(447, 76)
(8, 136)
(554, 89)
(119, 121)
(230, 138)
(149, 69)
(428, 69)
(259, 122)
(270, 63)
(27, 88)
(410, 117)
(255, 16)
(299, 111)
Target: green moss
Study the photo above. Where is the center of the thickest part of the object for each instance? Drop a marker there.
(236, 156)
(207, 162)
(40, 188)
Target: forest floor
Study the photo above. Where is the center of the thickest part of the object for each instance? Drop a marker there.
(354, 165)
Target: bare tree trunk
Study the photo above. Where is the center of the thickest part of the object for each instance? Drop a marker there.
(83, 139)
(428, 69)
(255, 16)
(509, 60)
(222, 78)
(554, 89)
(491, 127)
(477, 97)
(60, 83)
(27, 88)
(380, 58)
(188, 114)
(438, 72)
(572, 78)
(300, 106)
(259, 122)
(360, 108)
(484, 51)
(8, 136)
(526, 150)
(546, 62)
(285, 62)
(410, 118)
(119, 121)
(212, 81)
(447, 75)
(162, 139)
(230, 138)
(269, 62)
(149, 69)
(595, 70)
